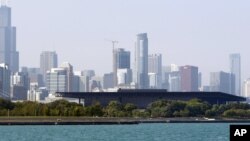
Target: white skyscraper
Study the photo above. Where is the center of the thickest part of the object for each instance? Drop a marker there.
(141, 62)
(155, 67)
(247, 88)
(8, 53)
(124, 77)
(235, 67)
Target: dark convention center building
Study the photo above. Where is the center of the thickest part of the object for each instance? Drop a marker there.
(141, 98)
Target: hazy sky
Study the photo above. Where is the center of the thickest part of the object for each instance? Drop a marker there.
(194, 32)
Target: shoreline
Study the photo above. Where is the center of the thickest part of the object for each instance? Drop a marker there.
(107, 121)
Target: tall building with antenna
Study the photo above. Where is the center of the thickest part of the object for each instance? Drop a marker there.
(8, 53)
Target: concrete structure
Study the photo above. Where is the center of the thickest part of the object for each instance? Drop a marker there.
(155, 67)
(189, 78)
(4, 81)
(247, 88)
(142, 98)
(48, 60)
(235, 68)
(222, 82)
(141, 62)
(8, 53)
(121, 61)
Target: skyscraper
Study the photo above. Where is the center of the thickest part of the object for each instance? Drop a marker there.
(121, 61)
(57, 80)
(222, 82)
(8, 53)
(107, 81)
(124, 77)
(48, 60)
(235, 68)
(4, 81)
(189, 78)
(20, 85)
(174, 81)
(141, 62)
(155, 67)
(70, 75)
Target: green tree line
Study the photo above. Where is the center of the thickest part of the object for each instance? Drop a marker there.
(160, 108)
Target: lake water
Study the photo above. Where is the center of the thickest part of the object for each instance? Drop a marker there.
(141, 132)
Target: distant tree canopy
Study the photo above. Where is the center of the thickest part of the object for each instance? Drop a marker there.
(160, 108)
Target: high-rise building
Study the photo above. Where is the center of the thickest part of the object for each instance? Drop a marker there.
(235, 68)
(19, 86)
(200, 81)
(83, 81)
(4, 81)
(124, 77)
(57, 80)
(48, 60)
(155, 67)
(70, 75)
(141, 62)
(174, 81)
(107, 81)
(189, 78)
(247, 88)
(222, 82)
(34, 74)
(166, 70)
(8, 53)
(37, 94)
(121, 61)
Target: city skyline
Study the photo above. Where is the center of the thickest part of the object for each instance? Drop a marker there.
(220, 38)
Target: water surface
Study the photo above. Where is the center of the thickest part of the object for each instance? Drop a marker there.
(141, 132)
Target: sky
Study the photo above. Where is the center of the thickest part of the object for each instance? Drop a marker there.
(187, 32)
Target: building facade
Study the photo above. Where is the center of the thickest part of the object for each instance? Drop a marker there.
(4, 81)
(247, 88)
(70, 76)
(121, 61)
(20, 84)
(57, 80)
(189, 78)
(48, 60)
(141, 62)
(235, 68)
(222, 82)
(124, 77)
(8, 53)
(155, 67)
